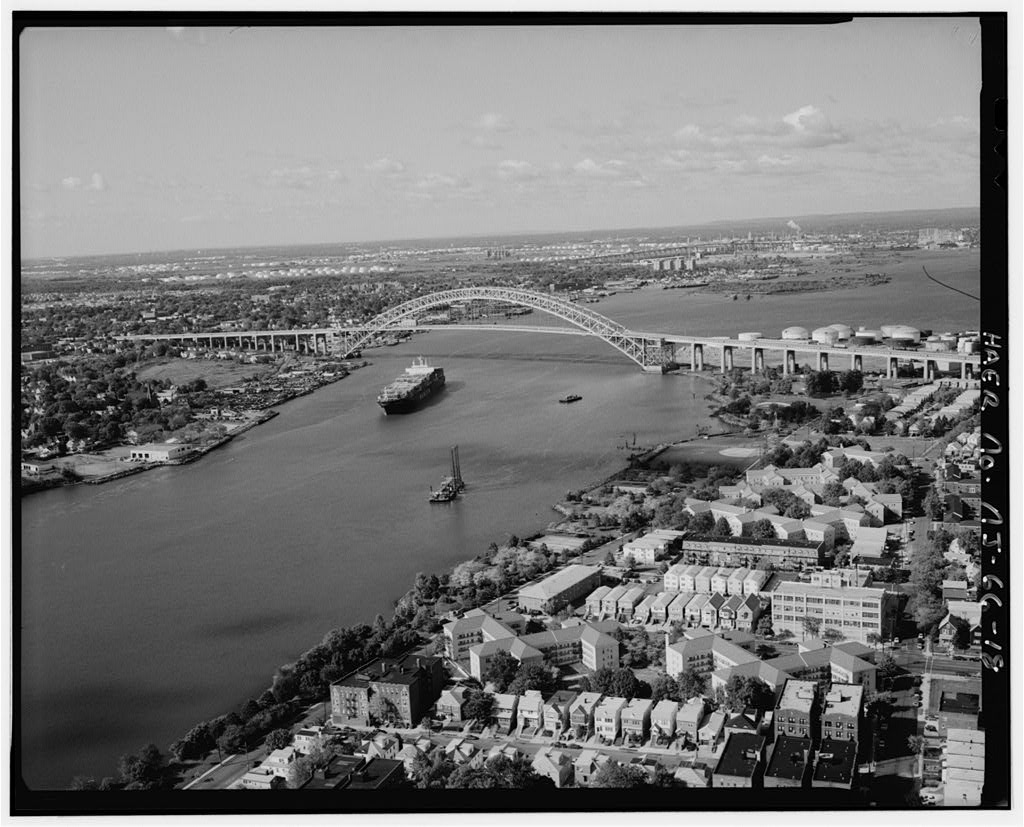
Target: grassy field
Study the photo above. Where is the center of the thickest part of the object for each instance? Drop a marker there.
(217, 373)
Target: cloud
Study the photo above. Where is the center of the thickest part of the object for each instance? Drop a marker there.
(97, 183)
(438, 185)
(510, 170)
(386, 166)
(303, 177)
(591, 168)
(808, 127)
(71, 183)
(492, 122)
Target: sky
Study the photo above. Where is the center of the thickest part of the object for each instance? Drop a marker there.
(143, 139)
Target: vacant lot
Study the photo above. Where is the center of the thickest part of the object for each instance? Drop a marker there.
(217, 373)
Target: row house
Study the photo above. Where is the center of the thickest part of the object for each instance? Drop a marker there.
(627, 602)
(740, 613)
(530, 711)
(694, 609)
(581, 713)
(659, 608)
(595, 601)
(702, 580)
(642, 612)
(608, 718)
(689, 717)
(573, 643)
(504, 711)
(734, 586)
(451, 703)
(720, 580)
(711, 731)
(663, 721)
(676, 612)
(636, 720)
(709, 611)
(651, 547)
(556, 711)
(610, 601)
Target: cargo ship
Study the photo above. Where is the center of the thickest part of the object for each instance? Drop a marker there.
(416, 385)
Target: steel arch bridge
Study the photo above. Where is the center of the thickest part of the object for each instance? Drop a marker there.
(649, 353)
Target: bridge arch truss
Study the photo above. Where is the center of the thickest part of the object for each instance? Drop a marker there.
(649, 353)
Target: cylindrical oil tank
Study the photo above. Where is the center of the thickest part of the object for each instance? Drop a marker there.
(906, 332)
(856, 340)
(843, 331)
(889, 330)
(972, 346)
(796, 332)
(825, 335)
(750, 336)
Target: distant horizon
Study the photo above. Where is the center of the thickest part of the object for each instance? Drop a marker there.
(711, 224)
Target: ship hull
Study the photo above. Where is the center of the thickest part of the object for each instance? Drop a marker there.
(415, 398)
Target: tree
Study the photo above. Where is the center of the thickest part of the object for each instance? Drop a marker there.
(479, 705)
(873, 638)
(762, 529)
(831, 493)
(383, 710)
(664, 688)
(765, 652)
(832, 636)
(501, 772)
(820, 383)
(722, 528)
(703, 523)
(619, 683)
(616, 775)
(691, 684)
(533, 676)
(609, 559)
(141, 769)
(887, 670)
(278, 739)
(851, 381)
(811, 626)
(501, 669)
(915, 743)
(961, 632)
(742, 691)
(764, 625)
(432, 772)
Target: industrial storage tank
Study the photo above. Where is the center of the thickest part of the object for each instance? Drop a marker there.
(889, 330)
(825, 335)
(903, 331)
(751, 336)
(843, 331)
(795, 332)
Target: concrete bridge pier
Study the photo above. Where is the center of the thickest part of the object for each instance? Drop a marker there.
(930, 369)
(697, 359)
(727, 361)
(822, 361)
(857, 362)
(789, 362)
(757, 359)
(892, 369)
(966, 371)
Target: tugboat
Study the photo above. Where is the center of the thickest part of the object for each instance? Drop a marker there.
(568, 400)
(451, 486)
(417, 384)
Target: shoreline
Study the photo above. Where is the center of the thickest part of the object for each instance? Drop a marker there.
(194, 769)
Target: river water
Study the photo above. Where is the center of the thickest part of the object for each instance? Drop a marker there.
(166, 598)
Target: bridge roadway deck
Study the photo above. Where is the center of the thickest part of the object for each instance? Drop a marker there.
(713, 342)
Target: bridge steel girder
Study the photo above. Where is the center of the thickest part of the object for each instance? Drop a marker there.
(649, 353)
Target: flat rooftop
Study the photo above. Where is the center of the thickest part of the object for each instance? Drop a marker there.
(741, 754)
(837, 761)
(789, 758)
